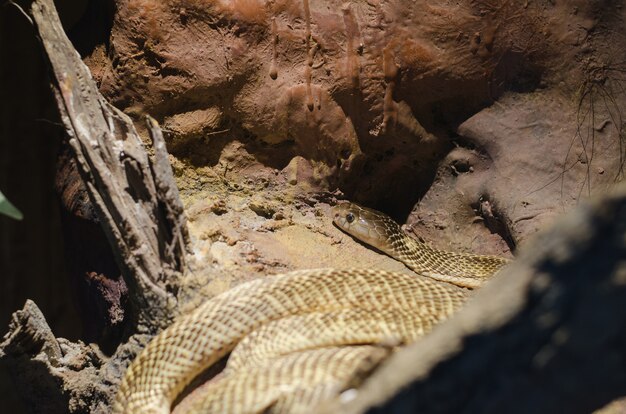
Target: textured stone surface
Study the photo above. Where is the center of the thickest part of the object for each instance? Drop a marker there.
(363, 94)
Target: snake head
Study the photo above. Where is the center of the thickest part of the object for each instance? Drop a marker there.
(369, 226)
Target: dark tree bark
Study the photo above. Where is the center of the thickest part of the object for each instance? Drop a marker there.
(136, 199)
(139, 209)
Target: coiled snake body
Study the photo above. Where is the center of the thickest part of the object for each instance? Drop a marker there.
(299, 337)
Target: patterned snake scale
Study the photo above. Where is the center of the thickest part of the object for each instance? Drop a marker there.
(320, 329)
(280, 378)
(298, 338)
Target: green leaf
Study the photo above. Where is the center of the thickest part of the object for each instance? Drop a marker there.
(9, 209)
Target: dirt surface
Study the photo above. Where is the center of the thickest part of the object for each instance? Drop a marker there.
(475, 122)
(256, 225)
(367, 95)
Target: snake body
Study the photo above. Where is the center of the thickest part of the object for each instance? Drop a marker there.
(321, 329)
(324, 308)
(271, 385)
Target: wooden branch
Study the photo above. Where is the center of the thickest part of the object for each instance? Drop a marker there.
(139, 208)
(136, 200)
(548, 335)
(172, 208)
(29, 333)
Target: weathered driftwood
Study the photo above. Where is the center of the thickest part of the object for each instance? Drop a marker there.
(547, 336)
(140, 211)
(136, 199)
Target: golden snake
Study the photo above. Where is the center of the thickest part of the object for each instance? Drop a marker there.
(287, 320)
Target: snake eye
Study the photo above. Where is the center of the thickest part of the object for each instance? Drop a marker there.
(349, 217)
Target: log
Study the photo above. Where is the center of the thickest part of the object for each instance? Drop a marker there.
(136, 199)
(139, 208)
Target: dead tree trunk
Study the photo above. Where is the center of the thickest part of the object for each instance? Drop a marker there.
(136, 199)
(140, 211)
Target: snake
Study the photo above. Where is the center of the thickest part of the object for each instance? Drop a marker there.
(286, 320)
(382, 232)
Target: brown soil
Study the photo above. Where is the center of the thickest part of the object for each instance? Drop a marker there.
(476, 122)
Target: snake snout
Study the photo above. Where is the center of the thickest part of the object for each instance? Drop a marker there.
(338, 214)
